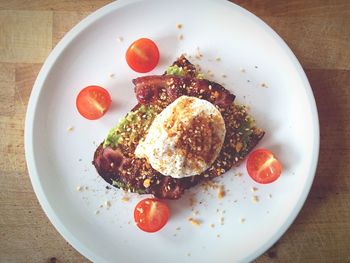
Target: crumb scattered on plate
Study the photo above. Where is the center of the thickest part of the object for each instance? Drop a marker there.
(255, 199)
(254, 189)
(178, 26)
(264, 85)
(221, 192)
(194, 222)
(125, 199)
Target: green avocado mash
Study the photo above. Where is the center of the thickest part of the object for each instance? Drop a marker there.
(175, 70)
(179, 71)
(129, 125)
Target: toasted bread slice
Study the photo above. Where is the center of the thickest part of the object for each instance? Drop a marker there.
(115, 161)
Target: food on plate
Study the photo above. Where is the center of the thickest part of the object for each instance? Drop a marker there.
(142, 55)
(182, 110)
(151, 214)
(93, 102)
(263, 167)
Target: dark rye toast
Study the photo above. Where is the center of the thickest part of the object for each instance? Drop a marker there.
(114, 158)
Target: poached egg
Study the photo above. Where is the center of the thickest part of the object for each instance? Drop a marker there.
(184, 139)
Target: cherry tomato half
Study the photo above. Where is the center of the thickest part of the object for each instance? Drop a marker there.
(142, 55)
(151, 214)
(93, 102)
(263, 167)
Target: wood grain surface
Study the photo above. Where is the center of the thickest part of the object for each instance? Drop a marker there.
(318, 32)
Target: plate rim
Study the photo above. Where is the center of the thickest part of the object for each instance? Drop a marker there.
(40, 81)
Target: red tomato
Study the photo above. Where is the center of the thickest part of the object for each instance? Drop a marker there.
(263, 167)
(151, 214)
(142, 55)
(93, 102)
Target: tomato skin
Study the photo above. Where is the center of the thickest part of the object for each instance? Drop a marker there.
(263, 167)
(151, 214)
(142, 55)
(93, 102)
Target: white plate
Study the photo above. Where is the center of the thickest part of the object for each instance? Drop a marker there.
(59, 160)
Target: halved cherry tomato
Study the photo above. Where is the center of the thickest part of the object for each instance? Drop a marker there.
(142, 55)
(151, 214)
(93, 102)
(263, 167)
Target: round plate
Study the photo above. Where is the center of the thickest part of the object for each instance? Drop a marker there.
(237, 49)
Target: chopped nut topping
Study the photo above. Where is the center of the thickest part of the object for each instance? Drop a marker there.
(212, 225)
(255, 199)
(70, 128)
(147, 182)
(218, 59)
(79, 188)
(125, 199)
(221, 192)
(242, 220)
(108, 203)
(120, 39)
(198, 54)
(194, 222)
(254, 189)
(178, 26)
(264, 85)
(239, 146)
(181, 37)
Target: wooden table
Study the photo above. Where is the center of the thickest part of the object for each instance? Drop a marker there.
(318, 31)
